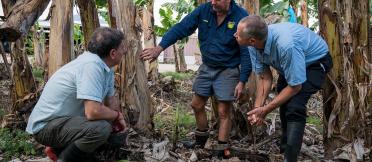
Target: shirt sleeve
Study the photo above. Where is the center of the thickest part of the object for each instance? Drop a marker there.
(111, 88)
(257, 65)
(294, 66)
(90, 83)
(246, 66)
(186, 27)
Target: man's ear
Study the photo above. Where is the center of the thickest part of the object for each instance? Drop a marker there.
(112, 53)
(252, 41)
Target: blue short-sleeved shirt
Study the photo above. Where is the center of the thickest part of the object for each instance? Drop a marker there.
(289, 48)
(218, 45)
(85, 78)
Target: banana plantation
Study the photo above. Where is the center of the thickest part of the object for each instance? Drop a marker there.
(155, 98)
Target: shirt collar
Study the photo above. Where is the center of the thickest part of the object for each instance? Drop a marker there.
(100, 60)
(268, 43)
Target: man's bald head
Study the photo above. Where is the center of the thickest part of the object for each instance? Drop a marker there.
(253, 27)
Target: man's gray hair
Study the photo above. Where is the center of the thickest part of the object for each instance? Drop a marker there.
(254, 27)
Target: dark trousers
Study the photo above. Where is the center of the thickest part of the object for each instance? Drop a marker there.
(86, 135)
(294, 110)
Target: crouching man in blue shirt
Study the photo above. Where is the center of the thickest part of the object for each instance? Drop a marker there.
(302, 60)
(77, 110)
(219, 74)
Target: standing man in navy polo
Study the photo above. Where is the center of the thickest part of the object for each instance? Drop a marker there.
(302, 60)
(219, 75)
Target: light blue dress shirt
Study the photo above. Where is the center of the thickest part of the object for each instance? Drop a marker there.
(289, 48)
(85, 78)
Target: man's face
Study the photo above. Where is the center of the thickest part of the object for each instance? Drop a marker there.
(119, 53)
(241, 40)
(220, 5)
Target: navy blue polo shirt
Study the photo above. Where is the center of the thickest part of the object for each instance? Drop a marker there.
(218, 45)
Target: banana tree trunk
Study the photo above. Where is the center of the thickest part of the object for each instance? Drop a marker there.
(133, 91)
(39, 46)
(252, 6)
(7, 4)
(347, 112)
(294, 3)
(22, 16)
(89, 18)
(149, 39)
(181, 62)
(61, 30)
(111, 14)
(304, 15)
(177, 67)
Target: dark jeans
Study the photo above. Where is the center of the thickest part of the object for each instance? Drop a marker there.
(86, 135)
(294, 110)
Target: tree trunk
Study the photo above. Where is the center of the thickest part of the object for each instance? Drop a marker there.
(111, 14)
(22, 16)
(182, 66)
(294, 3)
(133, 90)
(175, 51)
(89, 18)
(149, 39)
(304, 14)
(7, 5)
(39, 46)
(61, 30)
(347, 110)
(252, 6)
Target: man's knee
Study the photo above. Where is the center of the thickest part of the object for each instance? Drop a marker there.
(198, 103)
(99, 131)
(295, 112)
(224, 110)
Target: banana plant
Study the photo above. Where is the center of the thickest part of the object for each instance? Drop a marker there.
(182, 8)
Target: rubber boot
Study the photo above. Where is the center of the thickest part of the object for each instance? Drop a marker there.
(283, 141)
(295, 132)
(201, 138)
(73, 154)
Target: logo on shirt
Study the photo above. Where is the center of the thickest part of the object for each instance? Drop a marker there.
(230, 24)
(205, 21)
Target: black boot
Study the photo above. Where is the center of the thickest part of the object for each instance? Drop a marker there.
(283, 140)
(201, 138)
(73, 154)
(295, 132)
(283, 119)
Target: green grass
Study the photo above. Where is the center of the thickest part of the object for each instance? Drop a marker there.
(14, 143)
(38, 74)
(315, 121)
(177, 117)
(177, 76)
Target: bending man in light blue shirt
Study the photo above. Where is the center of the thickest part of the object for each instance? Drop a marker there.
(302, 60)
(70, 117)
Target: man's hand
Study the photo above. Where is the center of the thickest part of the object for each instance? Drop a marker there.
(119, 125)
(257, 116)
(151, 53)
(238, 90)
